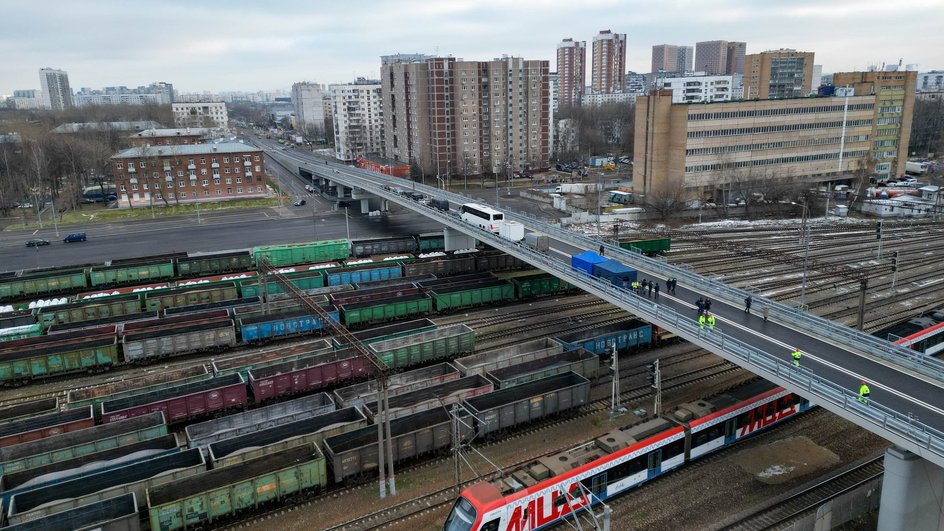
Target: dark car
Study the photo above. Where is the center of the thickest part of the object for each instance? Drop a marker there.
(300, 202)
(37, 242)
(74, 237)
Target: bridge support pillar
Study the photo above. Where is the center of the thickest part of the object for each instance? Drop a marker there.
(456, 240)
(910, 492)
(365, 206)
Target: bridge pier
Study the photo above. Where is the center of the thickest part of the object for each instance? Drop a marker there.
(910, 493)
(456, 240)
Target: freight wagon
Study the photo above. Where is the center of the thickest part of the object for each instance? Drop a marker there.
(42, 426)
(218, 493)
(300, 253)
(391, 245)
(95, 395)
(189, 295)
(258, 419)
(181, 402)
(393, 282)
(158, 340)
(506, 408)
(311, 430)
(490, 360)
(403, 382)
(94, 354)
(243, 364)
(17, 318)
(431, 241)
(131, 271)
(28, 409)
(363, 295)
(498, 261)
(447, 299)
(21, 332)
(135, 477)
(303, 280)
(624, 335)
(391, 331)
(78, 443)
(434, 396)
(114, 514)
(648, 247)
(440, 266)
(230, 306)
(578, 361)
(442, 343)
(307, 374)
(47, 282)
(369, 312)
(90, 310)
(539, 285)
(215, 264)
(353, 275)
(283, 324)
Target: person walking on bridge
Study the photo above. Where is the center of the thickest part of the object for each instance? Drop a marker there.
(796, 357)
(707, 304)
(864, 392)
(650, 288)
(711, 321)
(747, 304)
(701, 305)
(672, 287)
(657, 290)
(701, 321)
(602, 249)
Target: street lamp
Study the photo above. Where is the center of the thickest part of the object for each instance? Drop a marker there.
(804, 230)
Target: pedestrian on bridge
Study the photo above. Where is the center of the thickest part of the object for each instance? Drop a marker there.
(650, 288)
(711, 321)
(674, 284)
(645, 285)
(707, 304)
(747, 304)
(635, 286)
(864, 392)
(796, 357)
(701, 305)
(601, 250)
(766, 311)
(701, 321)
(657, 290)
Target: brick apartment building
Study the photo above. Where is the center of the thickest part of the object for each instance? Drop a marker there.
(169, 137)
(193, 172)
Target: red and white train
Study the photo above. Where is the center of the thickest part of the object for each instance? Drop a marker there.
(930, 341)
(551, 488)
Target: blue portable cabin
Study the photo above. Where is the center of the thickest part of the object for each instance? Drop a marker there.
(355, 275)
(618, 273)
(585, 261)
(281, 324)
(623, 335)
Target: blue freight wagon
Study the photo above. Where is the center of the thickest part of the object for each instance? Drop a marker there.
(276, 325)
(585, 261)
(354, 275)
(623, 335)
(618, 273)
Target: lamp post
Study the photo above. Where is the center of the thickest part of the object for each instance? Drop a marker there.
(804, 230)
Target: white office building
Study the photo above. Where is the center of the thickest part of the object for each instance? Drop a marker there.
(200, 114)
(703, 88)
(357, 113)
(56, 93)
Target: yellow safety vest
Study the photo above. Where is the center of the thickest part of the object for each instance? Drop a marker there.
(864, 390)
(711, 321)
(797, 355)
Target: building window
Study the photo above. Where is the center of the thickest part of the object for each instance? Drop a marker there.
(259, 188)
(239, 180)
(219, 192)
(226, 170)
(134, 186)
(238, 169)
(180, 173)
(180, 184)
(239, 189)
(206, 182)
(203, 171)
(258, 167)
(206, 193)
(257, 159)
(203, 160)
(216, 181)
(123, 189)
(118, 164)
(142, 164)
(229, 180)
(225, 159)
(144, 186)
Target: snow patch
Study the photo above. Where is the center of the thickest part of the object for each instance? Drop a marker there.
(776, 470)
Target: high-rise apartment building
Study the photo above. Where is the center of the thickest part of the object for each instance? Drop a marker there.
(56, 93)
(609, 62)
(778, 74)
(672, 58)
(685, 58)
(200, 114)
(571, 71)
(357, 113)
(457, 117)
(308, 99)
(894, 94)
(720, 57)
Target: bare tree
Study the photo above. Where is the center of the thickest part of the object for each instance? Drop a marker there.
(667, 198)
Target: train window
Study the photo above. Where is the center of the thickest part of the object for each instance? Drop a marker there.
(673, 449)
(462, 516)
(491, 526)
(596, 484)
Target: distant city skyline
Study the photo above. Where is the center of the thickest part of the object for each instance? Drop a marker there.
(263, 47)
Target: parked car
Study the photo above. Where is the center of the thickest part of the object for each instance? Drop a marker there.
(75, 237)
(300, 202)
(37, 242)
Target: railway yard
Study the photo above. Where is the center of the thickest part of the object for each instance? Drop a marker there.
(511, 335)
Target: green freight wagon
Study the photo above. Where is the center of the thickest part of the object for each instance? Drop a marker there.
(112, 275)
(431, 241)
(92, 354)
(215, 264)
(539, 285)
(32, 283)
(301, 253)
(303, 280)
(90, 310)
(21, 332)
(442, 343)
(218, 493)
(465, 296)
(367, 312)
(647, 247)
(188, 296)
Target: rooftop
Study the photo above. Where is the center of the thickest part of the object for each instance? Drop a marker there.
(154, 133)
(185, 150)
(97, 127)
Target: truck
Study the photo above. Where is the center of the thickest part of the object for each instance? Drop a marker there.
(511, 230)
(916, 168)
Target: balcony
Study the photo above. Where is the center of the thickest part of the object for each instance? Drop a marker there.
(247, 163)
(215, 165)
(191, 166)
(132, 169)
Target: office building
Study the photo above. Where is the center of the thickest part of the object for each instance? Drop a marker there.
(193, 172)
(672, 58)
(571, 71)
(792, 142)
(200, 114)
(357, 114)
(456, 117)
(735, 53)
(720, 57)
(778, 74)
(308, 100)
(701, 89)
(894, 94)
(608, 63)
(56, 93)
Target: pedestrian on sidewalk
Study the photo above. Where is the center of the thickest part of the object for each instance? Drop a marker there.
(601, 250)
(674, 283)
(747, 304)
(701, 321)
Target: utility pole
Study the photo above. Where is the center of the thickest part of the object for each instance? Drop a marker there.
(863, 288)
(894, 270)
(347, 224)
(615, 407)
(878, 236)
(455, 445)
(655, 380)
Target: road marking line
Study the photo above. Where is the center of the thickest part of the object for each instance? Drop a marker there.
(35, 231)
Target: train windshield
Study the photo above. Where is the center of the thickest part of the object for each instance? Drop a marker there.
(461, 518)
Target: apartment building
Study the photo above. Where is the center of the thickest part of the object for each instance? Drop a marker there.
(457, 117)
(308, 100)
(672, 58)
(357, 114)
(200, 114)
(56, 94)
(193, 172)
(780, 73)
(701, 89)
(706, 147)
(609, 62)
(571, 71)
(720, 57)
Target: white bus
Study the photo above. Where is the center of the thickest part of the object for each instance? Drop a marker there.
(481, 216)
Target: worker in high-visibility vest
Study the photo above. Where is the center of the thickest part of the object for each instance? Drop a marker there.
(711, 321)
(864, 392)
(796, 357)
(701, 321)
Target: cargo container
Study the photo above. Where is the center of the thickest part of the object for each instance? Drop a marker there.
(585, 261)
(442, 343)
(506, 408)
(311, 430)
(353, 275)
(580, 361)
(355, 453)
(215, 263)
(303, 280)
(42, 426)
(511, 230)
(397, 384)
(90, 310)
(218, 493)
(393, 282)
(374, 246)
(135, 477)
(467, 296)
(300, 253)
(181, 402)
(21, 332)
(647, 247)
(190, 295)
(283, 324)
(440, 267)
(117, 291)
(159, 378)
(539, 285)
(258, 419)
(391, 331)
(307, 374)
(243, 364)
(28, 409)
(29, 343)
(121, 272)
(383, 259)
(490, 360)
(537, 241)
(365, 313)
(601, 341)
(113, 514)
(17, 318)
(434, 396)
(31, 283)
(178, 339)
(617, 273)
(75, 444)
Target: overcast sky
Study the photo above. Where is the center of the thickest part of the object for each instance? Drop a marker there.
(220, 45)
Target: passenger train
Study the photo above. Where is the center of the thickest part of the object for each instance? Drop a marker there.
(546, 491)
(929, 341)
